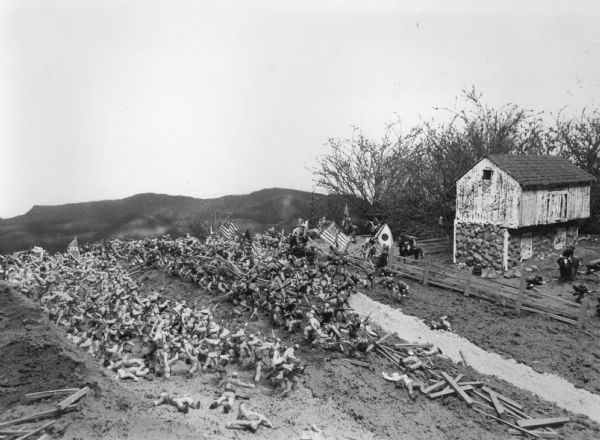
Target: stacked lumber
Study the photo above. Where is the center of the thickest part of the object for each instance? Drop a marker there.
(66, 405)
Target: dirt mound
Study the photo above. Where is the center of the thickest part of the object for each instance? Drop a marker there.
(32, 355)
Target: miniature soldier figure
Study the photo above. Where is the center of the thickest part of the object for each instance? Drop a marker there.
(228, 396)
(183, 404)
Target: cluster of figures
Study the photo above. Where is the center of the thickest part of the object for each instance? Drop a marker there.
(568, 265)
(139, 334)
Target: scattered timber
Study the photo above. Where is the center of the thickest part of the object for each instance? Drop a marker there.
(37, 416)
(72, 398)
(32, 397)
(542, 423)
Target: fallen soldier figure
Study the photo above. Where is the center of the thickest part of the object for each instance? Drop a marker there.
(183, 404)
(403, 381)
(580, 290)
(227, 399)
(248, 419)
(535, 281)
(441, 324)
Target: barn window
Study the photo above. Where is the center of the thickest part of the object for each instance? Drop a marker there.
(487, 174)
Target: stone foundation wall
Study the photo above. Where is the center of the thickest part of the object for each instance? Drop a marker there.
(482, 245)
(478, 244)
(542, 238)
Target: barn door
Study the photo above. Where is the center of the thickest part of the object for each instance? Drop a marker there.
(526, 247)
(560, 238)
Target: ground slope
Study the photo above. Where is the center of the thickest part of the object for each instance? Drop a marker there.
(345, 401)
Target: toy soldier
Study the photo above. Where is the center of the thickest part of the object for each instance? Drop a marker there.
(228, 396)
(183, 404)
(249, 419)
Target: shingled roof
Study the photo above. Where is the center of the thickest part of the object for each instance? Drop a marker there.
(541, 170)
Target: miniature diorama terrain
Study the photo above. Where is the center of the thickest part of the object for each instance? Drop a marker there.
(269, 336)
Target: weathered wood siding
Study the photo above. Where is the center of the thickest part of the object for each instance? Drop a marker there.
(494, 201)
(544, 206)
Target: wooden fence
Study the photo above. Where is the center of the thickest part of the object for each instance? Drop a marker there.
(435, 245)
(496, 291)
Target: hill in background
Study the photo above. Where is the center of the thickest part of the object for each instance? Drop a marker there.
(144, 215)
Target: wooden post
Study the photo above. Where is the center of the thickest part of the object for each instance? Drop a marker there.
(467, 291)
(520, 294)
(583, 311)
(427, 269)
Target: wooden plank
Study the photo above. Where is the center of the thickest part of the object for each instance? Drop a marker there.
(548, 311)
(436, 386)
(383, 338)
(550, 315)
(500, 410)
(458, 389)
(513, 411)
(37, 416)
(413, 345)
(356, 362)
(542, 434)
(32, 397)
(427, 270)
(540, 423)
(464, 358)
(467, 290)
(583, 311)
(503, 398)
(72, 398)
(36, 431)
(448, 392)
(474, 384)
(518, 428)
(520, 295)
(456, 287)
(555, 298)
(12, 432)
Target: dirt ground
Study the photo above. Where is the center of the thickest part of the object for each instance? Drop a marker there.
(544, 344)
(343, 400)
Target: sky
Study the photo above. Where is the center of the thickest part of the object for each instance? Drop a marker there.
(105, 99)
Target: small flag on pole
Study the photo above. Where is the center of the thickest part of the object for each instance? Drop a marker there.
(335, 237)
(229, 230)
(73, 249)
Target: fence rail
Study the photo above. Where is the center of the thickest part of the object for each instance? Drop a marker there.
(512, 296)
(435, 245)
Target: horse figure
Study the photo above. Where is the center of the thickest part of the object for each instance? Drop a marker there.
(408, 246)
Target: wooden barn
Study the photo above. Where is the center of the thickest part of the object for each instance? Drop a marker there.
(509, 208)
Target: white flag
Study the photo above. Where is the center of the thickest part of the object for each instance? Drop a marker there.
(385, 236)
(73, 249)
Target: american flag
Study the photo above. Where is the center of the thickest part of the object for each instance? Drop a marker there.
(335, 237)
(229, 230)
(257, 250)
